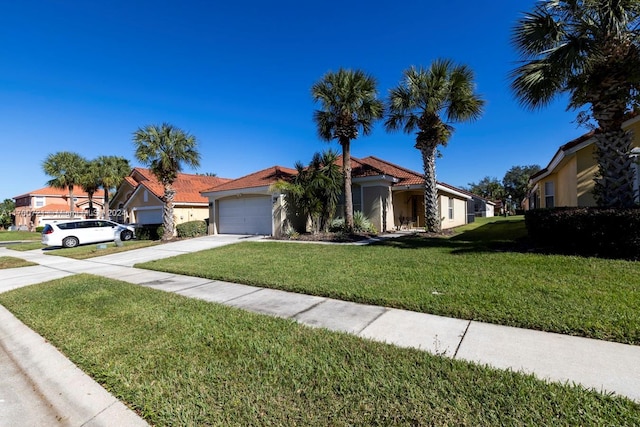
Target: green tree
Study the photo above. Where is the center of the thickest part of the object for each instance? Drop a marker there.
(588, 49)
(66, 169)
(516, 181)
(349, 106)
(112, 171)
(425, 102)
(6, 212)
(314, 191)
(90, 182)
(166, 149)
(488, 187)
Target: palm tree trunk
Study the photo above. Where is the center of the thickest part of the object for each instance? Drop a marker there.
(71, 207)
(90, 193)
(348, 197)
(431, 214)
(167, 213)
(614, 181)
(105, 208)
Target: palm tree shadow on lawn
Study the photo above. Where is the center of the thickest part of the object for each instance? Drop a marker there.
(491, 237)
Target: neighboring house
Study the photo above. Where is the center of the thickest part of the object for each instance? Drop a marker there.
(391, 196)
(38, 207)
(568, 179)
(478, 206)
(139, 198)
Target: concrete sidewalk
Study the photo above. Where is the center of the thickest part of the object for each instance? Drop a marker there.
(603, 366)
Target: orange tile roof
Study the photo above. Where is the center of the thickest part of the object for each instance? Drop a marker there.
(56, 207)
(187, 186)
(261, 178)
(406, 176)
(61, 192)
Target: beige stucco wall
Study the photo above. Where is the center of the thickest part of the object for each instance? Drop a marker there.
(190, 213)
(408, 204)
(459, 211)
(566, 195)
(377, 203)
(586, 168)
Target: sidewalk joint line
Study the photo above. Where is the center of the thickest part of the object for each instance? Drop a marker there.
(464, 334)
(386, 310)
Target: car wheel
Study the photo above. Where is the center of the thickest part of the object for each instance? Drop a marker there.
(126, 235)
(70, 242)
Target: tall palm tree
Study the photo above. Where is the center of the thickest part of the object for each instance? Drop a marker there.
(588, 49)
(112, 171)
(349, 105)
(166, 149)
(425, 102)
(66, 168)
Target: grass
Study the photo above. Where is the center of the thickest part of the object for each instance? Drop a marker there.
(473, 275)
(8, 236)
(91, 250)
(179, 361)
(11, 262)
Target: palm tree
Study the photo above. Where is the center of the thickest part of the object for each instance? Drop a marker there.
(588, 49)
(426, 101)
(66, 168)
(112, 171)
(90, 183)
(165, 149)
(349, 105)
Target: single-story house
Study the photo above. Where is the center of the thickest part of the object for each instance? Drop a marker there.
(139, 198)
(568, 178)
(47, 204)
(391, 196)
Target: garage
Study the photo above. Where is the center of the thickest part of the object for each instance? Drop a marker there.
(245, 215)
(148, 216)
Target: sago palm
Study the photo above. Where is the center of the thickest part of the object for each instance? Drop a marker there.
(66, 169)
(166, 150)
(348, 106)
(588, 49)
(427, 102)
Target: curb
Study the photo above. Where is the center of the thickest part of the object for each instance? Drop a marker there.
(72, 394)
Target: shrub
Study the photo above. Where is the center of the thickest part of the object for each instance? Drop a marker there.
(361, 224)
(149, 231)
(192, 229)
(608, 233)
(39, 229)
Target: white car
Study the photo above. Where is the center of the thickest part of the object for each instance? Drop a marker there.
(72, 233)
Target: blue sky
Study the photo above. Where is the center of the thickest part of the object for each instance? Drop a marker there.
(83, 76)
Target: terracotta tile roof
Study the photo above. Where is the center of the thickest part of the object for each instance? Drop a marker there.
(261, 178)
(406, 176)
(61, 192)
(187, 186)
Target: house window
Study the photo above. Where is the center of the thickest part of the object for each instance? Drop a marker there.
(145, 196)
(549, 194)
(38, 202)
(450, 207)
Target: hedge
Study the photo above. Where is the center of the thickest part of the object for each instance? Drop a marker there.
(192, 229)
(607, 233)
(149, 231)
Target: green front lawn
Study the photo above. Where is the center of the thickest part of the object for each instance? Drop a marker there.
(12, 262)
(474, 275)
(94, 250)
(8, 236)
(179, 361)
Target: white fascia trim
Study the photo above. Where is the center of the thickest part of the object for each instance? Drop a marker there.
(190, 204)
(368, 179)
(454, 192)
(407, 187)
(257, 191)
(145, 208)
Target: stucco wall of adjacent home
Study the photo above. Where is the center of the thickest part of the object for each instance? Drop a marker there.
(586, 168)
(565, 194)
(183, 214)
(459, 211)
(377, 203)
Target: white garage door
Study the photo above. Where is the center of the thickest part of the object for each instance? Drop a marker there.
(150, 216)
(245, 215)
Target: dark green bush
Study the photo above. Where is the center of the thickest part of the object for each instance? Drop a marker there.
(192, 229)
(607, 233)
(149, 232)
(39, 229)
